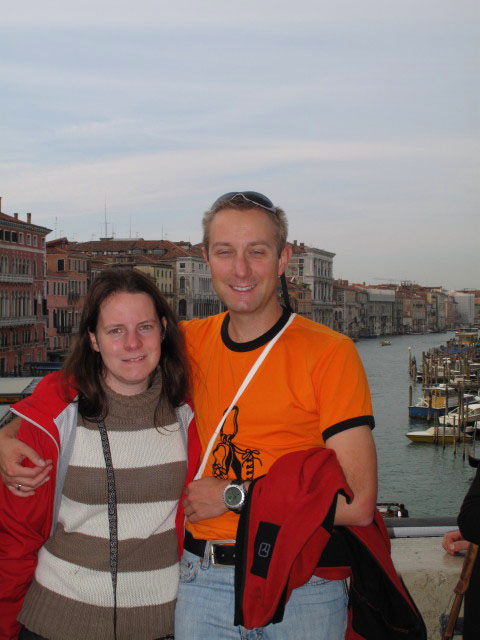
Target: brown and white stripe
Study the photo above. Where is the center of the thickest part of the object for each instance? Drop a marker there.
(72, 594)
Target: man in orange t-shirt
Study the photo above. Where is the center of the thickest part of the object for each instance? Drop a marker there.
(311, 390)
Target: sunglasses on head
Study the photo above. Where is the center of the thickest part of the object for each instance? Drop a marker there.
(258, 199)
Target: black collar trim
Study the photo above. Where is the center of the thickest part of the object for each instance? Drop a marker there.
(258, 342)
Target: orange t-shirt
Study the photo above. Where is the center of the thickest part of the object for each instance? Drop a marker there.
(311, 386)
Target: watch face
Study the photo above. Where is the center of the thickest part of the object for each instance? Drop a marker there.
(233, 496)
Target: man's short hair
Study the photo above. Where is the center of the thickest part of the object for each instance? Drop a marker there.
(240, 203)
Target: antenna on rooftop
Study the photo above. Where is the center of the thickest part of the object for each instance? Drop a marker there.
(106, 233)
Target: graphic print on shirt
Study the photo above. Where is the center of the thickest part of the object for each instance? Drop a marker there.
(227, 455)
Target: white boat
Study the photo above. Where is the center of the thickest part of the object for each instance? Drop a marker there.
(471, 415)
(428, 435)
(385, 343)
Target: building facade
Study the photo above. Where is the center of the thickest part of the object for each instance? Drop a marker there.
(23, 309)
(67, 282)
(350, 309)
(186, 276)
(314, 268)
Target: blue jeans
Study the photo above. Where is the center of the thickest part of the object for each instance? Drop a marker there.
(205, 607)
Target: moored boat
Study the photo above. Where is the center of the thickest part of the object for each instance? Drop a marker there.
(471, 414)
(436, 406)
(428, 435)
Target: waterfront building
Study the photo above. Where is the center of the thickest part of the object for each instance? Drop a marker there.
(300, 297)
(66, 287)
(435, 298)
(189, 287)
(414, 312)
(195, 295)
(465, 307)
(23, 309)
(162, 273)
(476, 320)
(314, 268)
(350, 309)
(381, 305)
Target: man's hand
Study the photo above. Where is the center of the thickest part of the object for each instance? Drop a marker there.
(14, 474)
(453, 542)
(205, 499)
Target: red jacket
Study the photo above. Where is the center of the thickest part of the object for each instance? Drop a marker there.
(286, 527)
(25, 523)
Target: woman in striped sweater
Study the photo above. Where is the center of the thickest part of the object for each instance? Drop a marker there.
(94, 555)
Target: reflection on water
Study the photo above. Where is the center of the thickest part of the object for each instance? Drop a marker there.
(430, 481)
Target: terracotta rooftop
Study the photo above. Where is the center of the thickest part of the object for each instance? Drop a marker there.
(6, 217)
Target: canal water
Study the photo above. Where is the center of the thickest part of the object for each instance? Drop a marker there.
(430, 481)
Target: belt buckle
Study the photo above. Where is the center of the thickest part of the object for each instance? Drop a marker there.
(210, 550)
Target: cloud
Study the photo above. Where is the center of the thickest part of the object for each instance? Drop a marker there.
(249, 14)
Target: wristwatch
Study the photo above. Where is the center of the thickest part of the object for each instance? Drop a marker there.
(234, 496)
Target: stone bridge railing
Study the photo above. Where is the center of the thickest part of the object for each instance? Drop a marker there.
(429, 573)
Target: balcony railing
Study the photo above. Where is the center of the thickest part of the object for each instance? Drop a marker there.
(15, 277)
(14, 321)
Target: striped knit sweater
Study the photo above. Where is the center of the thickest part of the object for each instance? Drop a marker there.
(72, 595)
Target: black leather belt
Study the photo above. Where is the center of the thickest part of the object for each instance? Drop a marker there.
(221, 553)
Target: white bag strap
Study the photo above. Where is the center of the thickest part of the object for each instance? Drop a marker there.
(242, 388)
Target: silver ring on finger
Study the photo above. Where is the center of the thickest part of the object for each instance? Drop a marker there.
(19, 486)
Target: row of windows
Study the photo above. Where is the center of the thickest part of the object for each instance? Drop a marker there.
(164, 273)
(17, 304)
(16, 337)
(17, 266)
(19, 237)
(25, 357)
(72, 287)
(63, 320)
(322, 268)
(201, 266)
(205, 284)
(323, 291)
(60, 342)
(74, 264)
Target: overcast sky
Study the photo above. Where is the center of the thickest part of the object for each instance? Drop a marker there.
(361, 119)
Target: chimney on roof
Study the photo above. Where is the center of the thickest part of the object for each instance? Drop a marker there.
(29, 218)
(302, 244)
(294, 243)
(15, 215)
(0, 204)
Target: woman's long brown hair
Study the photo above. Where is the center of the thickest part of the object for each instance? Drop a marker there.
(84, 367)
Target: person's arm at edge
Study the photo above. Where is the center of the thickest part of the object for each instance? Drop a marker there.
(355, 451)
(453, 542)
(468, 521)
(24, 527)
(469, 516)
(12, 454)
